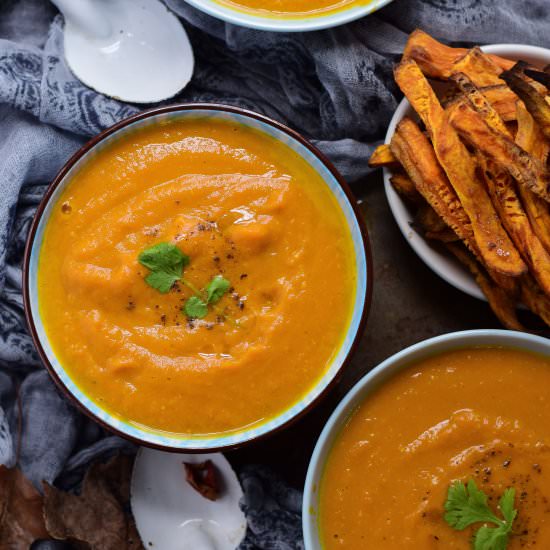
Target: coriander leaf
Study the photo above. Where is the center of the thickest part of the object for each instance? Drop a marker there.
(506, 505)
(166, 262)
(467, 505)
(491, 538)
(161, 280)
(195, 308)
(216, 288)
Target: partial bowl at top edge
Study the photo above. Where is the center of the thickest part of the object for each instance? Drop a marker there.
(284, 23)
(437, 259)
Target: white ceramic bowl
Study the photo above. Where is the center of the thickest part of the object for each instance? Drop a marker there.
(376, 378)
(184, 114)
(267, 22)
(437, 258)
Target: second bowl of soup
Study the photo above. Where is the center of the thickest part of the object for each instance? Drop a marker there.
(196, 277)
(444, 445)
(289, 15)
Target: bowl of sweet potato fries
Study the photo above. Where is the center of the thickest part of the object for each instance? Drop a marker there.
(466, 170)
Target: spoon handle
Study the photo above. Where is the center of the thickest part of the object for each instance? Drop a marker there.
(86, 15)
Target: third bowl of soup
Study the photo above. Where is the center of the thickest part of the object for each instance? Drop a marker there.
(289, 15)
(444, 445)
(196, 277)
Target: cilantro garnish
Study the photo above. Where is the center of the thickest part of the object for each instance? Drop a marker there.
(166, 263)
(466, 505)
(195, 308)
(216, 288)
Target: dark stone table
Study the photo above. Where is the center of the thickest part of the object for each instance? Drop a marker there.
(410, 303)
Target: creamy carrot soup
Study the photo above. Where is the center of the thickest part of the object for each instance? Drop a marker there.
(472, 414)
(293, 7)
(244, 210)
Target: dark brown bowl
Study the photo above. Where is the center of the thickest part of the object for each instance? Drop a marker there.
(174, 442)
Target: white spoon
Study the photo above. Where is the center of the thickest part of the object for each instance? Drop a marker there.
(133, 50)
(172, 515)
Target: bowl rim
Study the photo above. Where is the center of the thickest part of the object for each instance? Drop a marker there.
(282, 24)
(376, 378)
(151, 113)
(416, 241)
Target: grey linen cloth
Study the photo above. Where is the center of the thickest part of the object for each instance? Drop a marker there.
(335, 86)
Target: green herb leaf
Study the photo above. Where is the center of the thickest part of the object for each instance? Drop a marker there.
(466, 505)
(490, 538)
(506, 505)
(216, 288)
(195, 308)
(166, 262)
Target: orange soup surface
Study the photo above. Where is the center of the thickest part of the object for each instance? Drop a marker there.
(290, 8)
(481, 414)
(240, 205)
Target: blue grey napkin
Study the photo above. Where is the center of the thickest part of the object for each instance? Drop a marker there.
(335, 86)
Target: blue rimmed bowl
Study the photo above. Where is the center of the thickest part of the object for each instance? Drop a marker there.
(256, 19)
(330, 177)
(374, 380)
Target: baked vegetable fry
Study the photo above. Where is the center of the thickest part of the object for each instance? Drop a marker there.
(502, 99)
(501, 303)
(479, 68)
(534, 101)
(530, 138)
(494, 245)
(436, 59)
(433, 227)
(500, 148)
(534, 298)
(382, 156)
(405, 187)
(417, 156)
(480, 103)
(414, 151)
(516, 222)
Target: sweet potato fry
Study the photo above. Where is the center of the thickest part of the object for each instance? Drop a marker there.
(530, 138)
(502, 99)
(534, 101)
(436, 59)
(501, 303)
(413, 149)
(405, 187)
(494, 245)
(432, 226)
(542, 77)
(416, 154)
(480, 103)
(534, 298)
(501, 149)
(515, 220)
(382, 156)
(478, 67)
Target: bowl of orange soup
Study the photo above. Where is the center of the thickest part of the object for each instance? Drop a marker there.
(451, 429)
(196, 277)
(288, 15)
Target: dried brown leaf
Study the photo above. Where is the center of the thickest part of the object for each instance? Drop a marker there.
(97, 516)
(21, 521)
